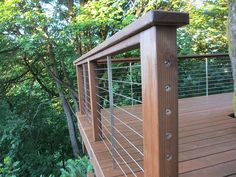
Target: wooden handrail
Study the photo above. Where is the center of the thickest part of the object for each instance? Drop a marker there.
(136, 59)
(212, 55)
(152, 18)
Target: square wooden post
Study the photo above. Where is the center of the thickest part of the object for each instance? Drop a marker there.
(95, 108)
(160, 101)
(79, 72)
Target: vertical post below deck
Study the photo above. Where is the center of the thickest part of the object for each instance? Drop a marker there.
(160, 101)
(79, 72)
(95, 108)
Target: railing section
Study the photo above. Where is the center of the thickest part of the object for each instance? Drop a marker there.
(121, 114)
(133, 107)
(204, 75)
(112, 93)
(85, 90)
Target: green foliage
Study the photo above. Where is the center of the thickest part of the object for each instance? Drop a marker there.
(77, 168)
(38, 142)
(38, 40)
(8, 168)
(208, 27)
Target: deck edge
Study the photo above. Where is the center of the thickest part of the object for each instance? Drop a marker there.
(87, 143)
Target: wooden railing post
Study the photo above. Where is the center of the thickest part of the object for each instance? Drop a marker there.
(160, 101)
(95, 108)
(79, 72)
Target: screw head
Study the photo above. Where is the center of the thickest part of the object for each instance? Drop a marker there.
(168, 157)
(168, 111)
(168, 135)
(167, 88)
(167, 63)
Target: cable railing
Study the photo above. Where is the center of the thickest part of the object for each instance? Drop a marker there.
(133, 106)
(204, 75)
(198, 75)
(130, 105)
(86, 92)
(119, 99)
(126, 82)
(120, 119)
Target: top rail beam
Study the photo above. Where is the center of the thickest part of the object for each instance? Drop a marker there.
(137, 59)
(204, 56)
(150, 19)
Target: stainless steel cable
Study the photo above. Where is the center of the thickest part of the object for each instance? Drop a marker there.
(121, 108)
(120, 155)
(123, 147)
(121, 95)
(201, 89)
(210, 92)
(122, 135)
(127, 97)
(126, 82)
(111, 155)
(141, 136)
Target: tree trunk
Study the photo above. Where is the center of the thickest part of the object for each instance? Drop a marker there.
(52, 70)
(70, 122)
(232, 42)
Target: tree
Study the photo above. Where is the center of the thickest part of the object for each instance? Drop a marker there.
(40, 39)
(232, 42)
(27, 26)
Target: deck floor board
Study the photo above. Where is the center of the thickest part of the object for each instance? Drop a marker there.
(207, 139)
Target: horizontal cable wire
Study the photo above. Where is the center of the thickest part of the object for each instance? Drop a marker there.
(210, 92)
(210, 78)
(222, 87)
(87, 108)
(127, 97)
(125, 88)
(121, 109)
(120, 134)
(119, 67)
(121, 95)
(203, 69)
(210, 64)
(122, 146)
(141, 136)
(88, 91)
(203, 74)
(119, 155)
(125, 82)
(87, 100)
(202, 84)
(119, 81)
(111, 155)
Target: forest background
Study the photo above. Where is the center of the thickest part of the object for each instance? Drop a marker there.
(39, 40)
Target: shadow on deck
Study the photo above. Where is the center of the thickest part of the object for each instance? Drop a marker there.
(207, 139)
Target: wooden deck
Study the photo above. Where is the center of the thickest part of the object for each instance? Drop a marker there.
(207, 139)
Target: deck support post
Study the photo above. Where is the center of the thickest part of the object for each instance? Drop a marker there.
(112, 121)
(206, 69)
(131, 82)
(79, 72)
(160, 101)
(85, 90)
(94, 100)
